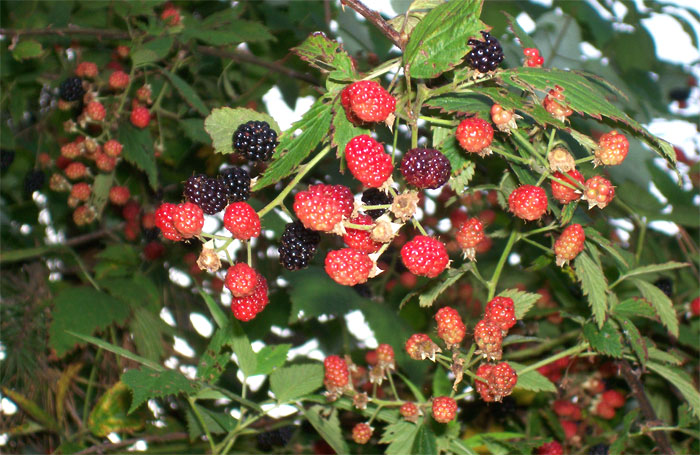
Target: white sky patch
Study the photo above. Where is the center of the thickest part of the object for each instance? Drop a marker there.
(254, 382)
(201, 324)
(309, 349)
(139, 446)
(357, 325)
(589, 50)
(7, 407)
(525, 22)
(667, 227)
(4, 438)
(284, 116)
(280, 331)
(171, 362)
(444, 225)
(277, 412)
(183, 347)
(167, 316)
(514, 259)
(179, 277)
(671, 42)
(190, 371)
(678, 132)
(114, 438)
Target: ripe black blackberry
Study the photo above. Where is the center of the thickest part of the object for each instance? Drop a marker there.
(375, 196)
(297, 246)
(237, 181)
(208, 193)
(33, 181)
(666, 286)
(598, 449)
(278, 437)
(6, 159)
(255, 140)
(485, 55)
(425, 168)
(71, 89)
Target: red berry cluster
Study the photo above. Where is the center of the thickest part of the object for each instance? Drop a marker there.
(367, 101)
(499, 381)
(533, 59)
(450, 327)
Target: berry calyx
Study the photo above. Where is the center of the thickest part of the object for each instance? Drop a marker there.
(140, 117)
(164, 221)
(425, 168)
(501, 311)
(444, 409)
(322, 207)
(242, 221)
(450, 327)
(528, 202)
(255, 140)
(241, 280)
(361, 433)
(489, 338)
(297, 246)
(348, 266)
(475, 136)
(425, 256)
(598, 192)
(485, 55)
(367, 161)
(565, 194)
(246, 308)
(469, 234)
(569, 244)
(188, 219)
(419, 346)
(612, 149)
(367, 101)
(361, 239)
(336, 372)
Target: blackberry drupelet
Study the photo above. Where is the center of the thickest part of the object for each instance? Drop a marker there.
(297, 246)
(71, 89)
(374, 196)
(237, 181)
(598, 449)
(666, 286)
(278, 437)
(485, 55)
(425, 168)
(33, 181)
(255, 140)
(6, 159)
(208, 193)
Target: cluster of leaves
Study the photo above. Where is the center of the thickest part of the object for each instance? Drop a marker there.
(607, 304)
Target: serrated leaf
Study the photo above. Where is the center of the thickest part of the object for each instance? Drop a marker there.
(215, 422)
(327, 427)
(679, 379)
(27, 49)
(607, 245)
(214, 359)
(477, 439)
(400, 436)
(606, 340)
(463, 103)
(427, 298)
(661, 303)
(532, 380)
(187, 92)
(152, 51)
(413, 15)
(194, 129)
(83, 310)
(216, 312)
(662, 356)
(327, 55)
(653, 268)
(437, 43)
(623, 434)
(461, 177)
(523, 301)
(224, 121)
(631, 308)
(523, 37)
(110, 413)
(138, 150)
(100, 192)
(342, 129)
(295, 381)
(293, 149)
(635, 340)
(234, 32)
(146, 384)
(593, 284)
(245, 356)
(453, 152)
(424, 442)
(271, 357)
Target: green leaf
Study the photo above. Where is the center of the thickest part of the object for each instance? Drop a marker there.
(523, 37)
(463, 103)
(224, 121)
(623, 434)
(459, 181)
(214, 359)
(146, 383)
(593, 284)
(413, 15)
(216, 312)
(236, 32)
(138, 150)
(653, 268)
(478, 439)
(438, 43)
(27, 49)
(110, 413)
(424, 442)
(82, 310)
(523, 301)
(118, 351)
(31, 408)
(326, 55)
(100, 191)
(292, 150)
(152, 51)
(631, 308)
(532, 380)
(634, 339)
(427, 298)
(606, 340)
(607, 245)
(327, 427)
(681, 381)
(194, 129)
(215, 422)
(187, 92)
(441, 383)
(661, 303)
(290, 383)
(315, 293)
(663, 356)
(147, 330)
(271, 357)
(400, 436)
(243, 350)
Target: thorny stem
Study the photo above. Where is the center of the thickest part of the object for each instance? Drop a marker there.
(418, 226)
(538, 230)
(501, 262)
(518, 136)
(359, 227)
(375, 207)
(375, 19)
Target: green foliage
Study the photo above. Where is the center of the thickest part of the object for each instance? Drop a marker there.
(594, 286)
(146, 383)
(295, 381)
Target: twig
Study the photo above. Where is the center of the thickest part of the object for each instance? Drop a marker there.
(637, 388)
(99, 448)
(376, 19)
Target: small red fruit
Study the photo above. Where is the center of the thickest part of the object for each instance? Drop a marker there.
(188, 219)
(153, 250)
(119, 195)
(164, 221)
(555, 104)
(565, 194)
(564, 408)
(598, 191)
(550, 448)
(695, 306)
(348, 267)
(409, 411)
(503, 380)
(419, 346)
(528, 202)
(533, 58)
(444, 409)
(569, 244)
(501, 311)
(96, 111)
(612, 149)
(140, 117)
(118, 80)
(425, 256)
(322, 207)
(336, 372)
(81, 191)
(241, 280)
(361, 433)
(242, 221)
(246, 308)
(71, 150)
(170, 15)
(613, 398)
(86, 69)
(385, 354)
(500, 116)
(450, 326)
(361, 239)
(75, 171)
(570, 428)
(470, 233)
(112, 148)
(367, 161)
(367, 101)
(105, 162)
(475, 135)
(489, 338)
(604, 410)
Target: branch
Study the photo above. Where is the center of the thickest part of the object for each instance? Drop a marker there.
(376, 19)
(637, 388)
(239, 56)
(99, 448)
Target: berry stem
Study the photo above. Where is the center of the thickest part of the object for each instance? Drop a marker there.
(501, 262)
(376, 207)
(302, 172)
(518, 136)
(552, 136)
(213, 236)
(374, 414)
(571, 351)
(359, 227)
(470, 354)
(542, 347)
(583, 160)
(563, 182)
(391, 384)
(250, 253)
(198, 415)
(533, 243)
(418, 226)
(510, 156)
(539, 230)
(438, 121)
(384, 68)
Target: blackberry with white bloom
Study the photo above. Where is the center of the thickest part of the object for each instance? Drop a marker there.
(209, 194)
(485, 55)
(237, 181)
(297, 246)
(255, 140)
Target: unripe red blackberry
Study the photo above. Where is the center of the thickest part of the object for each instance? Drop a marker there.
(164, 221)
(482, 387)
(612, 149)
(489, 338)
(565, 194)
(409, 411)
(246, 308)
(425, 256)
(255, 140)
(569, 244)
(348, 267)
(469, 234)
(241, 279)
(242, 221)
(598, 192)
(528, 202)
(450, 326)
(550, 448)
(367, 101)
(503, 380)
(425, 168)
(475, 135)
(322, 207)
(367, 161)
(361, 433)
(501, 311)
(555, 104)
(188, 219)
(361, 239)
(336, 372)
(444, 409)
